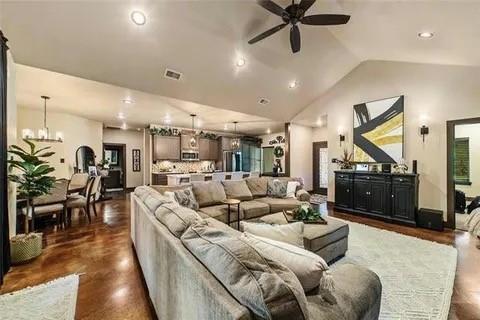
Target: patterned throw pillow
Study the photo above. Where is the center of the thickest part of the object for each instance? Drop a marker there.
(186, 198)
(277, 188)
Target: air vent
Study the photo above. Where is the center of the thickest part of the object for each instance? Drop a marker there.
(263, 101)
(172, 74)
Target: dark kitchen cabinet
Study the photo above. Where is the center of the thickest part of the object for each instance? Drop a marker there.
(392, 197)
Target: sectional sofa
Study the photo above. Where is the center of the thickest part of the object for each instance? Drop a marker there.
(182, 287)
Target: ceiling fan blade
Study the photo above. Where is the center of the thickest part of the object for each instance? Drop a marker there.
(272, 7)
(306, 4)
(267, 33)
(295, 38)
(325, 19)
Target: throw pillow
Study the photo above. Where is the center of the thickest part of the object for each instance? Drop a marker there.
(257, 186)
(237, 189)
(170, 195)
(176, 218)
(186, 198)
(208, 193)
(277, 188)
(290, 233)
(310, 269)
(267, 288)
(155, 200)
(291, 189)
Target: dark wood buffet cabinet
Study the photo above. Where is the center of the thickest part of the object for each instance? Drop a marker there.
(389, 196)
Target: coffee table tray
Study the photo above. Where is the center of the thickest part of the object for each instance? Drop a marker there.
(289, 217)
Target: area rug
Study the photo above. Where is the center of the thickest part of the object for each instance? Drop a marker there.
(54, 300)
(417, 276)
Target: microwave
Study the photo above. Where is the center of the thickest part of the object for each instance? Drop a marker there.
(189, 155)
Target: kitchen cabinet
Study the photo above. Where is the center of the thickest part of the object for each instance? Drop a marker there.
(166, 147)
(208, 149)
(159, 179)
(226, 143)
(185, 141)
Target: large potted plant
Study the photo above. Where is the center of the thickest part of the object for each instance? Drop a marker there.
(30, 172)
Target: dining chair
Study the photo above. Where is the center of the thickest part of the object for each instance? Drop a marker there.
(237, 175)
(218, 176)
(194, 177)
(78, 182)
(53, 203)
(83, 202)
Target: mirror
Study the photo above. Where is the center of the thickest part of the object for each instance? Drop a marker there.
(85, 158)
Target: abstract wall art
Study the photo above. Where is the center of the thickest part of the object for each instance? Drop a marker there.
(378, 128)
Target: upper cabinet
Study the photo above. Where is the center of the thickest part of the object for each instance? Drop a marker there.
(166, 147)
(226, 143)
(185, 138)
(208, 149)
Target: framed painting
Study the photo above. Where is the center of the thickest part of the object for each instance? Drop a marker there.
(378, 131)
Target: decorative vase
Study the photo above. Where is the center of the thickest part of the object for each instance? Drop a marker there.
(25, 247)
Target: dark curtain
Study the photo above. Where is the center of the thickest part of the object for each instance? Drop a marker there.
(4, 236)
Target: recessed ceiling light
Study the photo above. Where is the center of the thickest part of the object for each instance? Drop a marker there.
(225, 127)
(269, 131)
(240, 62)
(425, 35)
(138, 18)
(124, 126)
(128, 101)
(293, 84)
(121, 115)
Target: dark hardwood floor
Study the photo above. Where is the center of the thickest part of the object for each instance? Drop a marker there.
(111, 285)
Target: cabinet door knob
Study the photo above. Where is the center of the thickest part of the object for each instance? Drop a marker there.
(348, 190)
(393, 196)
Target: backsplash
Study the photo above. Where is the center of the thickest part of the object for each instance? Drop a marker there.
(183, 166)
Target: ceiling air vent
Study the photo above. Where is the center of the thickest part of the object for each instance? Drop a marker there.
(172, 74)
(263, 101)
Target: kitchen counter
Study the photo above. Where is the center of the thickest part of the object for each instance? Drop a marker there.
(175, 179)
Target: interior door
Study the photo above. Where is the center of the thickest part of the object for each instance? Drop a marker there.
(320, 167)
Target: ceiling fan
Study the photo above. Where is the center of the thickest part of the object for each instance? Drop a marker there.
(294, 14)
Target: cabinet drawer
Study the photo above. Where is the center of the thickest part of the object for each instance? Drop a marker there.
(343, 176)
(403, 180)
(370, 177)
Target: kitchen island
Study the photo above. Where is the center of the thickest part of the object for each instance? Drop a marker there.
(184, 178)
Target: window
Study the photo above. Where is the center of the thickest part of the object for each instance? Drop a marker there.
(323, 167)
(462, 161)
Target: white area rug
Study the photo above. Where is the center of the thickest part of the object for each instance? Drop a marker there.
(54, 300)
(417, 276)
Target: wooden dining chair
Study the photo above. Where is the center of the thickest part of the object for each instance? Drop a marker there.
(78, 183)
(83, 202)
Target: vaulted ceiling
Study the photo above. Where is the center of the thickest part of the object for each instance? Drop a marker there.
(203, 39)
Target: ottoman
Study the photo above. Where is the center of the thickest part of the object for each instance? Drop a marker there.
(329, 241)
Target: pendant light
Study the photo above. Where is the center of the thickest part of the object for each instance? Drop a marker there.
(193, 139)
(44, 133)
(235, 140)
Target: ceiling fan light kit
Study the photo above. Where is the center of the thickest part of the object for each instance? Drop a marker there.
(294, 14)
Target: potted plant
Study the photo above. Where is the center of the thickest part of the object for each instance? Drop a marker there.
(103, 167)
(345, 161)
(32, 181)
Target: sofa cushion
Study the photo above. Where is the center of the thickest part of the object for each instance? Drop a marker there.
(176, 218)
(254, 209)
(277, 188)
(357, 295)
(237, 189)
(219, 212)
(208, 193)
(267, 288)
(142, 192)
(290, 233)
(257, 186)
(186, 198)
(278, 205)
(154, 200)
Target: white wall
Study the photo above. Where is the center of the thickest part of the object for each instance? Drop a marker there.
(11, 138)
(301, 164)
(265, 143)
(471, 131)
(133, 140)
(77, 131)
(434, 92)
(320, 133)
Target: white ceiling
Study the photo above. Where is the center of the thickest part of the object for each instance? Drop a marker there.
(202, 39)
(103, 102)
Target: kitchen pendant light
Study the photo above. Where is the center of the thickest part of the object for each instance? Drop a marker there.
(44, 133)
(235, 140)
(193, 139)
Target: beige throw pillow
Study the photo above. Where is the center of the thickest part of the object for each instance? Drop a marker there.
(310, 269)
(267, 288)
(237, 190)
(290, 233)
(208, 193)
(257, 186)
(291, 189)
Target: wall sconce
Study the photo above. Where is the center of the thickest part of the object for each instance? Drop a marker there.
(424, 130)
(342, 138)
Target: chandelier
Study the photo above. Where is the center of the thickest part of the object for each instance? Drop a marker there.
(44, 133)
(236, 140)
(193, 139)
